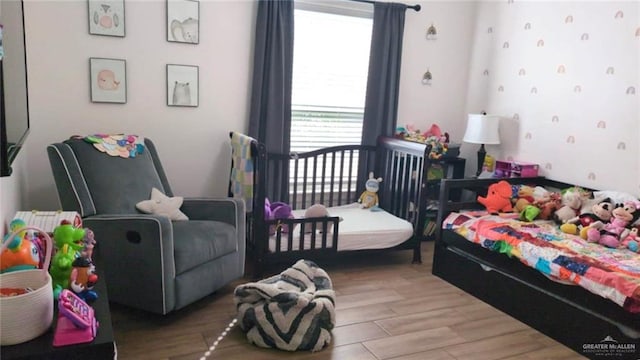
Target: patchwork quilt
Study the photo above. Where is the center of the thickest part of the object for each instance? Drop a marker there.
(611, 273)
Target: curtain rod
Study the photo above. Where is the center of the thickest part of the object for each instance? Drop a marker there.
(416, 7)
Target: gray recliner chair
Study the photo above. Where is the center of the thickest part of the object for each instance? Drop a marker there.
(149, 261)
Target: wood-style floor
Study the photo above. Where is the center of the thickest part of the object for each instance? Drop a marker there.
(386, 308)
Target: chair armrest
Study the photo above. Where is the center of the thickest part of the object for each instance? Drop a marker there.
(227, 210)
(137, 253)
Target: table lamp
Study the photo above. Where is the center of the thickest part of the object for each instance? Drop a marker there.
(482, 129)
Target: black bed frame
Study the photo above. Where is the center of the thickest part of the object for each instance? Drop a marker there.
(331, 176)
(590, 325)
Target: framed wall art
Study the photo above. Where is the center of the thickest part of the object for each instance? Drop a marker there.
(183, 21)
(108, 79)
(106, 17)
(182, 85)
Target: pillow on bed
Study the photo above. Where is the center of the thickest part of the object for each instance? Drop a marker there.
(617, 197)
(161, 204)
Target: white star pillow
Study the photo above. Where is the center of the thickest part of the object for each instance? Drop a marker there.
(161, 204)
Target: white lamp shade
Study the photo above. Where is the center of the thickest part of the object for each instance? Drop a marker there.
(482, 129)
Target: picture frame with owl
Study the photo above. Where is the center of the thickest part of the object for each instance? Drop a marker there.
(182, 85)
(106, 17)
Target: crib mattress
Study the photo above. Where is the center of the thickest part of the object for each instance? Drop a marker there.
(360, 229)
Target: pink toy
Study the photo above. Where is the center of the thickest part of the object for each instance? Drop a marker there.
(631, 241)
(612, 233)
(275, 211)
(76, 321)
(498, 197)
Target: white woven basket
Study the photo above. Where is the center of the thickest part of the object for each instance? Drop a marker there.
(27, 316)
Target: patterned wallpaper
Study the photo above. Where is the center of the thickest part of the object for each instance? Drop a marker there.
(566, 78)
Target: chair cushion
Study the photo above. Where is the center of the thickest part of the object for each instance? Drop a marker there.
(198, 241)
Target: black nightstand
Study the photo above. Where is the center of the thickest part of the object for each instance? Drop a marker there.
(435, 171)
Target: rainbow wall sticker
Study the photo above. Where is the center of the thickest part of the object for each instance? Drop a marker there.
(584, 37)
(522, 72)
(509, 158)
(591, 176)
(568, 19)
(571, 139)
(602, 124)
(528, 136)
(548, 166)
(490, 30)
(562, 69)
(619, 15)
(516, 116)
(577, 89)
(621, 146)
(610, 70)
(500, 88)
(505, 45)
(540, 43)
(638, 32)
(555, 119)
(485, 72)
(631, 90)
(527, 26)
(534, 90)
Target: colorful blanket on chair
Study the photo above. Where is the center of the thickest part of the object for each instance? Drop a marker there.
(294, 310)
(121, 145)
(611, 273)
(241, 180)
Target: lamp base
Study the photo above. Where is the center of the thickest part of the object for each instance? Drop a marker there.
(481, 154)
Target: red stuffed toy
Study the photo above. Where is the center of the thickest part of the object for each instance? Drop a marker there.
(498, 197)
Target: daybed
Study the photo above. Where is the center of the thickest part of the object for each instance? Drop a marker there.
(329, 177)
(590, 324)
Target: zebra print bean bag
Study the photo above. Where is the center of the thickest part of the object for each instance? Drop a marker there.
(294, 310)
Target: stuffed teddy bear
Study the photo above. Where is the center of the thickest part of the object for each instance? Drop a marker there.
(571, 204)
(498, 197)
(600, 211)
(369, 197)
(611, 234)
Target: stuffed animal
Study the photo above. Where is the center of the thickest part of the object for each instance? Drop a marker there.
(631, 241)
(275, 211)
(600, 211)
(524, 198)
(498, 197)
(21, 253)
(369, 197)
(571, 204)
(611, 234)
(316, 211)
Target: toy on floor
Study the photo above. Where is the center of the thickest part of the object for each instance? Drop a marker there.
(369, 197)
(498, 197)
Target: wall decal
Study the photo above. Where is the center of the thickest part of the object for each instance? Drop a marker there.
(584, 36)
(510, 158)
(500, 88)
(540, 43)
(577, 89)
(602, 124)
(622, 146)
(548, 166)
(485, 72)
(591, 176)
(432, 33)
(490, 30)
(619, 15)
(555, 119)
(505, 45)
(527, 26)
(610, 70)
(571, 139)
(631, 90)
(516, 116)
(638, 32)
(568, 19)
(522, 72)
(509, 1)
(534, 90)
(426, 78)
(561, 69)
(528, 136)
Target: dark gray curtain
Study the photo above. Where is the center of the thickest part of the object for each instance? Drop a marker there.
(270, 117)
(383, 83)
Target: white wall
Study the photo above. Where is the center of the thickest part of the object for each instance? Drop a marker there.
(192, 142)
(547, 71)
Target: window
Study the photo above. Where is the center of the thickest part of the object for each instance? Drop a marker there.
(330, 65)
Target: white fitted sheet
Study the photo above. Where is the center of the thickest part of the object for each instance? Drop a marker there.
(360, 229)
